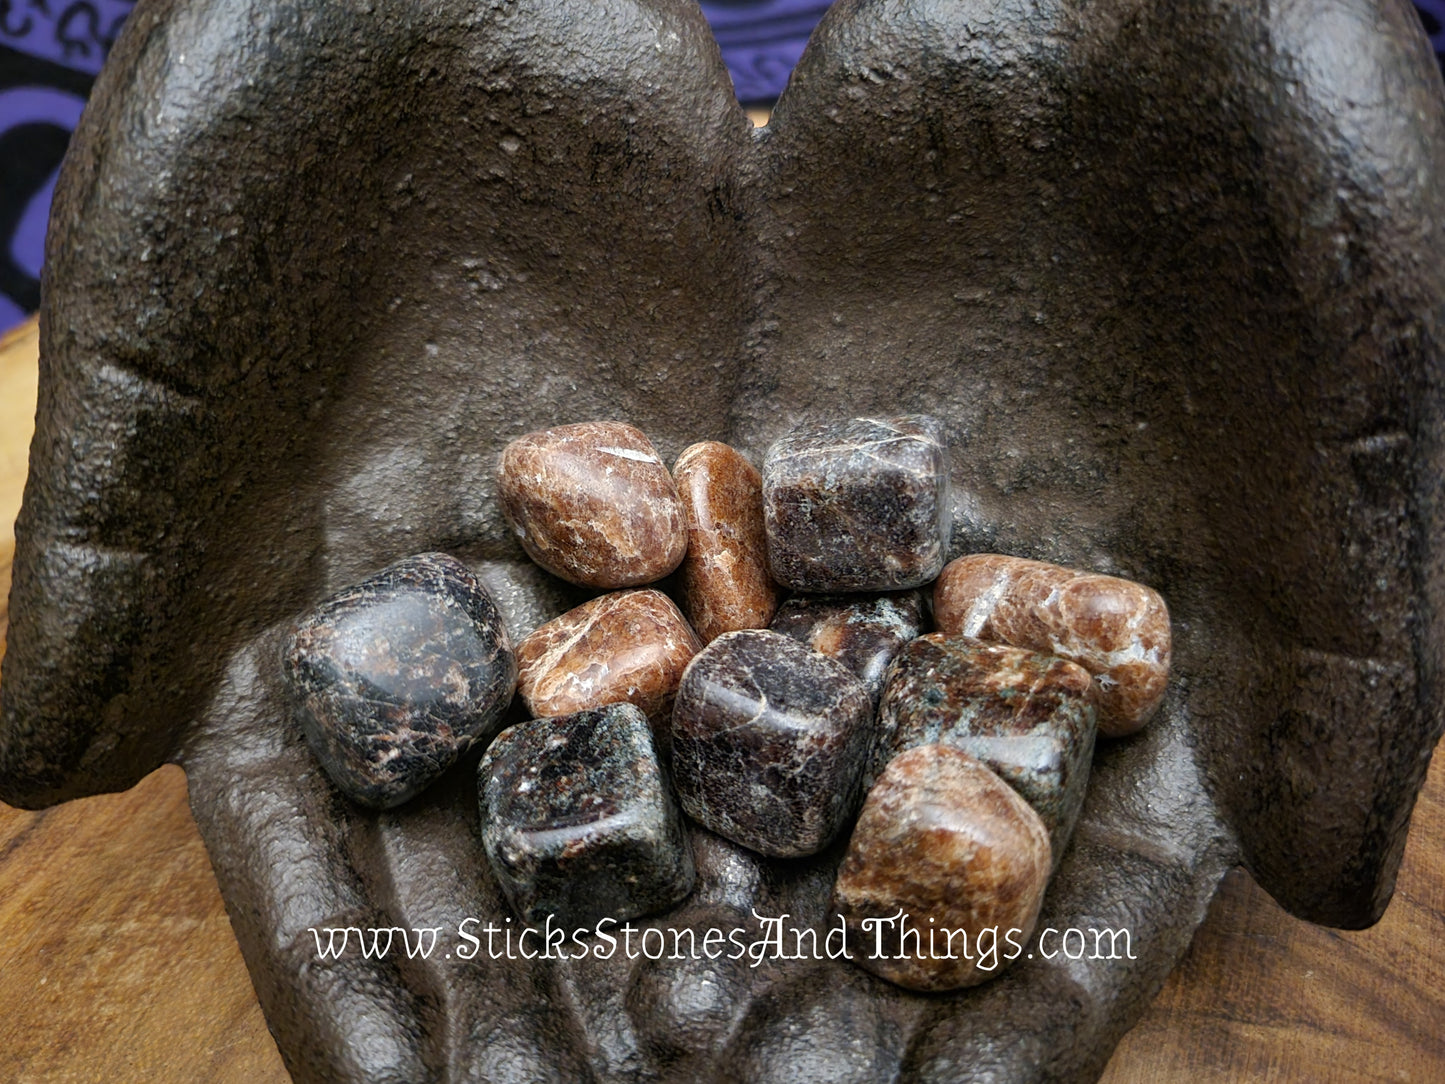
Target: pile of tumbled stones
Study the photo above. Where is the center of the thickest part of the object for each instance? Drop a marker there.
(959, 758)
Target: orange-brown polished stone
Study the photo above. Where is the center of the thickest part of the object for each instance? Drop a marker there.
(628, 646)
(1030, 717)
(942, 838)
(593, 503)
(1116, 629)
(725, 580)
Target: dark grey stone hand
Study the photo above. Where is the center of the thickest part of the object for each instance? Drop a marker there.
(1173, 282)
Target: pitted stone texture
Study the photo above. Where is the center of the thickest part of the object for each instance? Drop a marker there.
(1116, 629)
(578, 821)
(397, 676)
(628, 646)
(948, 843)
(1030, 717)
(725, 581)
(860, 505)
(593, 503)
(864, 634)
(769, 741)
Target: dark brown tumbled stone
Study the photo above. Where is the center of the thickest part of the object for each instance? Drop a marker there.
(1116, 629)
(945, 844)
(398, 675)
(578, 821)
(628, 646)
(593, 503)
(863, 633)
(860, 505)
(769, 740)
(1030, 717)
(724, 577)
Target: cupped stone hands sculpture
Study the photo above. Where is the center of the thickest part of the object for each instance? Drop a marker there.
(1170, 273)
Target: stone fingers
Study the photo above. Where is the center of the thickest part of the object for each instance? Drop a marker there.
(505, 1018)
(285, 849)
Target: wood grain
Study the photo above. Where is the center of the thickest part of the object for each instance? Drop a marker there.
(1263, 996)
(117, 958)
(19, 349)
(118, 962)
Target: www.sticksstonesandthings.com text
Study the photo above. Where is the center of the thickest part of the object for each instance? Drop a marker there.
(774, 938)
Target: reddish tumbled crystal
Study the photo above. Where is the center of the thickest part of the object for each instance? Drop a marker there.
(769, 740)
(593, 503)
(944, 874)
(724, 577)
(860, 505)
(627, 646)
(578, 821)
(1116, 629)
(395, 677)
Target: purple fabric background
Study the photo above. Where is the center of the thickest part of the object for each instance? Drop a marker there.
(50, 51)
(761, 40)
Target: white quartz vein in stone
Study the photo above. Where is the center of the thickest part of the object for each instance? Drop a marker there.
(984, 605)
(631, 453)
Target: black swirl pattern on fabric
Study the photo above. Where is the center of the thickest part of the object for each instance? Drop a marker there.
(50, 52)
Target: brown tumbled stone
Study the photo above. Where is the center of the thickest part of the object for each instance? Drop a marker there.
(1116, 629)
(629, 646)
(725, 581)
(859, 505)
(769, 741)
(593, 503)
(396, 677)
(864, 632)
(1029, 716)
(942, 847)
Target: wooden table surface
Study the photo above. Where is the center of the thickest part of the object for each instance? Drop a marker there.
(117, 962)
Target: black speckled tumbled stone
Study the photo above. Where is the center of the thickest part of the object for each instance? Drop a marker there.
(1028, 716)
(860, 505)
(864, 633)
(397, 676)
(769, 741)
(578, 821)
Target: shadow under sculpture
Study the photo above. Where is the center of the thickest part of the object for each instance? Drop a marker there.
(1173, 282)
